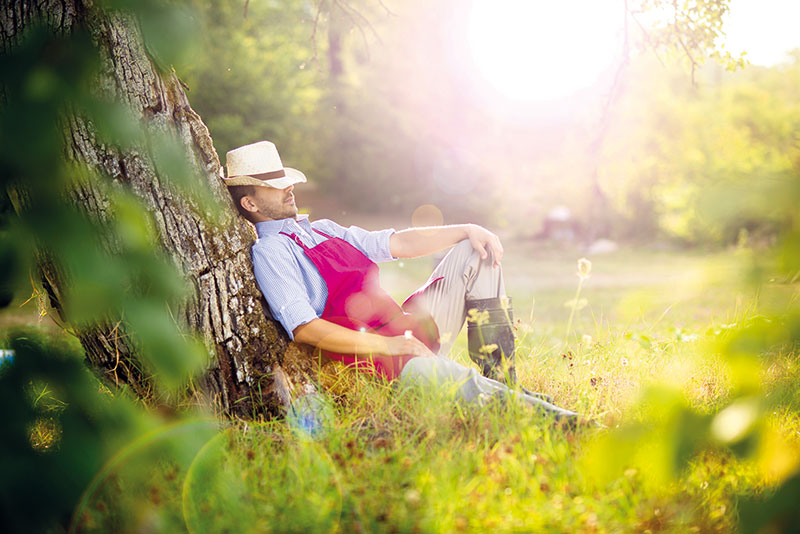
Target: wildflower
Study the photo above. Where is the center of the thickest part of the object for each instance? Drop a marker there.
(587, 339)
(479, 318)
(624, 362)
(413, 497)
(488, 349)
(584, 268)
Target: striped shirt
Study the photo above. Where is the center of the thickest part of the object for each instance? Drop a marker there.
(290, 282)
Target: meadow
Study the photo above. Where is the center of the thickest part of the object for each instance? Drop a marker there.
(375, 458)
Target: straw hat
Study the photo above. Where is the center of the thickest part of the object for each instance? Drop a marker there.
(259, 164)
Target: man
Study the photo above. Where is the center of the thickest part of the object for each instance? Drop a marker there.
(321, 283)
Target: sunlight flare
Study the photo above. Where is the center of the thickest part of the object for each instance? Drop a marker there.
(536, 50)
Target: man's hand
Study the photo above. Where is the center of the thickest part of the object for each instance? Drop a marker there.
(415, 242)
(482, 239)
(408, 344)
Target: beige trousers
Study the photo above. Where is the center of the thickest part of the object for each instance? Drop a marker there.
(464, 276)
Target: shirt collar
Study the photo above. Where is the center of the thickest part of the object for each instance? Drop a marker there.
(265, 228)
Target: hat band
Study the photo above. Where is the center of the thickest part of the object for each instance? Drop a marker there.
(269, 175)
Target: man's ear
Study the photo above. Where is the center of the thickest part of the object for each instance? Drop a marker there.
(247, 203)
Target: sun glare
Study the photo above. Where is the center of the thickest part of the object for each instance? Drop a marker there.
(538, 50)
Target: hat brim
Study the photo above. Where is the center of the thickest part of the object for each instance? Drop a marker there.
(293, 176)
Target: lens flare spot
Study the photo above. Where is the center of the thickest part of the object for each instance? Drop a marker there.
(427, 215)
(735, 422)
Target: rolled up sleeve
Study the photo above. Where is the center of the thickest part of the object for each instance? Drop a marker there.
(374, 244)
(278, 277)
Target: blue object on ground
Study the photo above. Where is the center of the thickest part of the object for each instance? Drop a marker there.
(6, 357)
(310, 416)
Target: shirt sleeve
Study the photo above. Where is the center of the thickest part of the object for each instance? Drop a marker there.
(374, 244)
(278, 276)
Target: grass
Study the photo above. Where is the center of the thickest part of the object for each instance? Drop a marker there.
(408, 460)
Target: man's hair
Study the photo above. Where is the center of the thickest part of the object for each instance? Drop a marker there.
(237, 193)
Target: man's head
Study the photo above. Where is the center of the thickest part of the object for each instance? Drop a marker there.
(260, 185)
(258, 203)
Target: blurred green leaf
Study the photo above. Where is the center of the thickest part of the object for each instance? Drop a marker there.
(169, 31)
(132, 224)
(659, 447)
(9, 270)
(93, 427)
(171, 358)
(175, 171)
(777, 511)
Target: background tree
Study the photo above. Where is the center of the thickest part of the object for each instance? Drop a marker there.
(383, 105)
(703, 165)
(114, 182)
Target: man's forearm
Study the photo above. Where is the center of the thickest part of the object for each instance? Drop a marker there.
(335, 338)
(415, 242)
(421, 241)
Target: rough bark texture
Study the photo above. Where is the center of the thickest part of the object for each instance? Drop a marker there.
(256, 370)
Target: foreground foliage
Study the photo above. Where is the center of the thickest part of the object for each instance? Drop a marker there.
(386, 460)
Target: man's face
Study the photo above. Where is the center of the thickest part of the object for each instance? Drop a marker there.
(270, 204)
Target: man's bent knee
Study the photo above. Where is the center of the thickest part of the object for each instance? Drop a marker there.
(463, 249)
(467, 254)
(464, 254)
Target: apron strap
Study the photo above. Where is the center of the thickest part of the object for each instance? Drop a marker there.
(323, 233)
(299, 242)
(296, 240)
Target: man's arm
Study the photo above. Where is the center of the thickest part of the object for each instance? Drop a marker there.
(335, 338)
(415, 242)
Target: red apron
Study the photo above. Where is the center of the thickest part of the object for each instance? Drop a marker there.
(358, 302)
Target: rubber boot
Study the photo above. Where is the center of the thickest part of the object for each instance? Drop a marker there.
(490, 338)
(541, 402)
(561, 416)
(541, 396)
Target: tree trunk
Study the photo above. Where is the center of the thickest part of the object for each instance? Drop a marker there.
(256, 370)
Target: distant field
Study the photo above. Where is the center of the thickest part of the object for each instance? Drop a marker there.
(621, 284)
(637, 290)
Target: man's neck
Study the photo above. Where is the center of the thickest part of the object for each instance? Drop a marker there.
(265, 219)
(272, 226)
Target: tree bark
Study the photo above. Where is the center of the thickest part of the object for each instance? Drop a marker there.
(256, 371)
